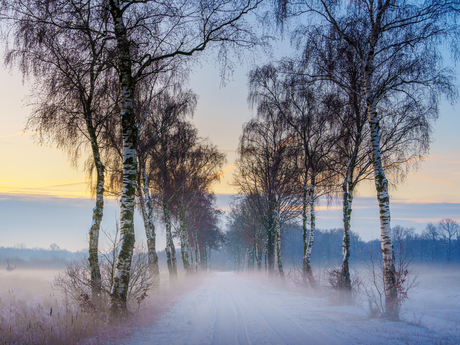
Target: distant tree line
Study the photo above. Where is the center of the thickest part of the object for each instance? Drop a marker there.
(38, 258)
(438, 244)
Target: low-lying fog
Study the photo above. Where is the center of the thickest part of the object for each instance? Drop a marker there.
(231, 308)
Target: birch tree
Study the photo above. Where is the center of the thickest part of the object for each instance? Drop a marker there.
(202, 223)
(242, 217)
(432, 234)
(158, 108)
(144, 33)
(448, 229)
(404, 129)
(197, 165)
(160, 127)
(266, 175)
(64, 50)
(306, 109)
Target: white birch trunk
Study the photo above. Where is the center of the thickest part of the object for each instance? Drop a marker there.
(311, 237)
(271, 237)
(197, 252)
(170, 248)
(348, 187)
(278, 250)
(305, 264)
(381, 185)
(184, 242)
(98, 211)
(149, 225)
(259, 253)
(345, 279)
(129, 131)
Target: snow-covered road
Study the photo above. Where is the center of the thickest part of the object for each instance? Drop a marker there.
(246, 316)
(232, 309)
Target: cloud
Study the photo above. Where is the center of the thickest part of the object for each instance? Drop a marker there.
(17, 134)
(445, 157)
(60, 188)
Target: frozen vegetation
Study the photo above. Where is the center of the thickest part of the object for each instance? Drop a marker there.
(232, 308)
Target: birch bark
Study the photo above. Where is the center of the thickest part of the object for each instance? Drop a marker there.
(259, 259)
(184, 249)
(170, 248)
(278, 250)
(345, 279)
(305, 265)
(129, 130)
(149, 225)
(98, 210)
(348, 187)
(307, 258)
(197, 251)
(271, 239)
(381, 185)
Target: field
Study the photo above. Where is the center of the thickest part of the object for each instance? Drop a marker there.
(230, 308)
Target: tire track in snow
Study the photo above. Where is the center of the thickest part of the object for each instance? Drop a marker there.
(230, 327)
(250, 303)
(236, 301)
(287, 329)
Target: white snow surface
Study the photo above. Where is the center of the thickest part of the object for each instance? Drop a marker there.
(229, 308)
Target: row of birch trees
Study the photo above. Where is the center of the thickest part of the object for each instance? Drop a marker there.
(356, 102)
(108, 76)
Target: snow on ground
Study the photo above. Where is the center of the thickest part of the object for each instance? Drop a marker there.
(234, 309)
(435, 302)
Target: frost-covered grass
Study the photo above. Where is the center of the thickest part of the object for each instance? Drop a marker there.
(33, 312)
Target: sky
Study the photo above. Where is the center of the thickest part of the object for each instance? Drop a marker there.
(44, 200)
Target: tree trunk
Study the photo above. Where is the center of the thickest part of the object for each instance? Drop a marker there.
(209, 258)
(308, 272)
(197, 251)
(149, 225)
(271, 239)
(278, 250)
(305, 264)
(259, 258)
(190, 253)
(347, 187)
(204, 258)
(184, 250)
(381, 185)
(345, 280)
(170, 249)
(96, 286)
(129, 131)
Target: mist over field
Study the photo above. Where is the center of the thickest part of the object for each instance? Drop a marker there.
(228, 307)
